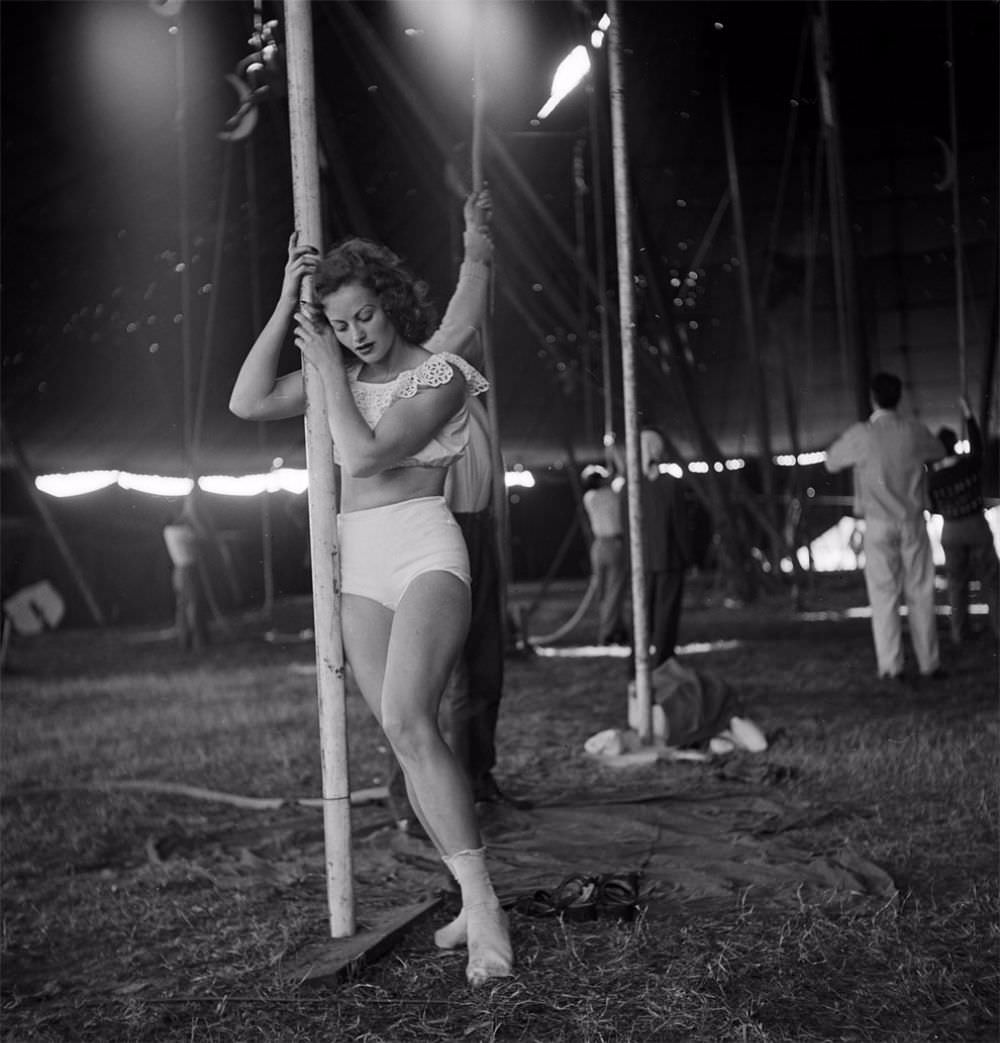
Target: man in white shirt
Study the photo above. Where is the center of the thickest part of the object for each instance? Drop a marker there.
(608, 566)
(888, 454)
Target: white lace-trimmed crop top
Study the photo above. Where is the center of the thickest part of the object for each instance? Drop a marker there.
(374, 399)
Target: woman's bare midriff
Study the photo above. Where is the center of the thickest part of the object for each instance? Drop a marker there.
(394, 486)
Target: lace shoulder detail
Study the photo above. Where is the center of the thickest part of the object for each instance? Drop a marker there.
(437, 371)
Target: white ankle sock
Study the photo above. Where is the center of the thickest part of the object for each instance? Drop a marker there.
(454, 934)
(482, 924)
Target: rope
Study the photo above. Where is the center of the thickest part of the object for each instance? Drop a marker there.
(363, 796)
(571, 623)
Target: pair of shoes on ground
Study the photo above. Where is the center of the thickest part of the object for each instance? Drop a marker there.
(581, 898)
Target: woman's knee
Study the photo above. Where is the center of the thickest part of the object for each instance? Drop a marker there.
(411, 737)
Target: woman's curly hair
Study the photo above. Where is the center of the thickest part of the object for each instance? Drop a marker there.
(404, 298)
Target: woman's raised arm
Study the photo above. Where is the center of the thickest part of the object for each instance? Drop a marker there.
(259, 393)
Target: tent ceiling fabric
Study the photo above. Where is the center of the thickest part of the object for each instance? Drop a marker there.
(92, 255)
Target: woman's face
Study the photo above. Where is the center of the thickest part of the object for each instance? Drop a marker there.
(359, 322)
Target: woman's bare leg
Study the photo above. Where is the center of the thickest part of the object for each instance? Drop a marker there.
(366, 626)
(427, 633)
(425, 636)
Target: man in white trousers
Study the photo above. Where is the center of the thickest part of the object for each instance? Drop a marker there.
(888, 453)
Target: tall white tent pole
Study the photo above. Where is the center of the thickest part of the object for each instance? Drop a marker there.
(322, 494)
(640, 628)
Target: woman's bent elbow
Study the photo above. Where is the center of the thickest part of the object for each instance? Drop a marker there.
(241, 408)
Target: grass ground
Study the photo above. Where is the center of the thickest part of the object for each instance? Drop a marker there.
(145, 916)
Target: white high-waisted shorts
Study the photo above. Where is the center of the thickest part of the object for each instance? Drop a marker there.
(384, 549)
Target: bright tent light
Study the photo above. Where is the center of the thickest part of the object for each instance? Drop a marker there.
(291, 480)
(281, 479)
(803, 459)
(75, 484)
(519, 480)
(235, 485)
(155, 484)
(808, 459)
(837, 549)
(571, 71)
(597, 36)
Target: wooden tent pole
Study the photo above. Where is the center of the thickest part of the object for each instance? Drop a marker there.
(322, 494)
(640, 626)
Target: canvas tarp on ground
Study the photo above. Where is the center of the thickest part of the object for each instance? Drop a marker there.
(744, 842)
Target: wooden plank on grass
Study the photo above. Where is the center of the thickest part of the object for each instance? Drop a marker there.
(337, 959)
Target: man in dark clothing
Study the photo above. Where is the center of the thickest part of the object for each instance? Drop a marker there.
(955, 489)
(665, 545)
(477, 686)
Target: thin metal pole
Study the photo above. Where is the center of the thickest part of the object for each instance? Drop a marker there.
(851, 329)
(600, 265)
(579, 189)
(489, 359)
(185, 250)
(749, 318)
(322, 494)
(640, 628)
(208, 338)
(266, 528)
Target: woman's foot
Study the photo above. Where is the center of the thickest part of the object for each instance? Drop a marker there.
(490, 953)
(453, 935)
(485, 924)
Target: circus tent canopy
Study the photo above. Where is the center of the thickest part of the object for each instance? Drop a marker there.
(94, 214)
